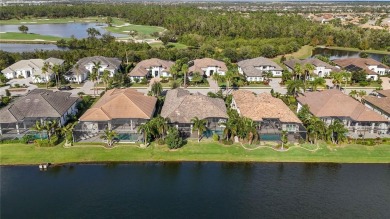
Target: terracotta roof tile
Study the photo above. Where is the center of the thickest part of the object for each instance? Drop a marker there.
(141, 68)
(206, 62)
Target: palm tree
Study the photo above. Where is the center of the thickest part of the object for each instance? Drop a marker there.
(199, 125)
(45, 70)
(106, 78)
(308, 70)
(156, 89)
(294, 87)
(94, 77)
(297, 70)
(337, 131)
(109, 135)
(353, 93)
(146, 129)
(268, 75)
(284, 139)
(67, 131)
(337, 78)
(174, 70)
(56, 70)
(317, 82)
(77, 71)
(39, 127)
(346, 77)
(96, 68)
(184, 70)
(250, 130)
(361, 94)
(161, 125)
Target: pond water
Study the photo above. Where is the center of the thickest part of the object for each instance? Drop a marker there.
(339, 54)
(197, 190)
(78, 30)
(23, 47)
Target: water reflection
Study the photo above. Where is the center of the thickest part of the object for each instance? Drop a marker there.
(339, 54)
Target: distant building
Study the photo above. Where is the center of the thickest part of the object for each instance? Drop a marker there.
(32, 68)
(206, 67)
(371, 67)
(321, 68)
(151, 68)
(84, 67)
(255, 69)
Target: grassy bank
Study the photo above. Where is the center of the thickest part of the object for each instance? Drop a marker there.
(23, 37)
(32, 21)
(303, 53)
(193, 151)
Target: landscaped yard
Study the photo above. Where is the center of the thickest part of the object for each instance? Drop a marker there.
(193, 151)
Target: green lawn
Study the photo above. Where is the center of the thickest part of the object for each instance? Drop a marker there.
(174, 45)
(303, 53)
(141, 29)
(9, 36)
(193, 151)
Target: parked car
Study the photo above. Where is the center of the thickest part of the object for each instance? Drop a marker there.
(65, 88)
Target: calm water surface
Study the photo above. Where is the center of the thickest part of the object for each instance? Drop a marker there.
(23, 47)
(78, 30)
(197, 190)
(340, 54)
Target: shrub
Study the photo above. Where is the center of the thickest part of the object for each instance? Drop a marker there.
(215, 137)
(10, 141)
(17, 85)
(7, 93)
(174, 84)
(144, 80)
(173, 139)
(102, 93)
(160, 141)
(26, 139)
(227, 142)
(42, 143)
(54, 140)
(364, 83)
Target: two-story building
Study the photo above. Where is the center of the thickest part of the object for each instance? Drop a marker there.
(32, 68)
(255, 69)
(206, 67)
(379, 103)
(321, 68)
(332, 104)
(85, 66)
(151, 68)
(370, 66)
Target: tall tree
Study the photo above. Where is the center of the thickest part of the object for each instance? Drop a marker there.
(199, 125)
(109, 135)
(23, 29)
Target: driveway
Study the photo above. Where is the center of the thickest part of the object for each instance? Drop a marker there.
(25, 81)
(275, 84)
(213, 85)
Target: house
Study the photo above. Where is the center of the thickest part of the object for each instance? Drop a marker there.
(151, 68)
(255, 69)
(333, 104)
(321, 68)
(372, 67)
(32, 68)
(38, 105)
(181, 106)
(271, 114)
(379, 103)
(84, 67)
(121, 110)
(206, 67)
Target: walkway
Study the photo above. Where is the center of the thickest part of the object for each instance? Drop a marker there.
(213, 85)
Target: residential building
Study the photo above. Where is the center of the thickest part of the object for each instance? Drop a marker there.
(206, 67)
(321, 68)
(333, 104)
(181, 106)
(255, 69)
(121, 110)
(372, 67)
(271, 114)
(32, 68)
(85, 66)
(151, 68)
(379, 103)
(38, 105)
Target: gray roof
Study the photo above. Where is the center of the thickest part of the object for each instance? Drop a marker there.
(314, 61)
(112, 63)
(249, 66)
(38, 103)
(35, 64)
(180, 106)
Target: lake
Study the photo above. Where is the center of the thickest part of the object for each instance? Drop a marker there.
(78, 30)
(339, 54)
(24, 47)
(197, 190)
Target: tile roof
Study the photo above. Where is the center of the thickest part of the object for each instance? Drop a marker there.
(334, 103)
(382, 103)
(141, 68)
(35, 64)
(263, 106)
(314, 61)
(206, 62)
(358, 64)
(38, 104)
(180, 106)
(385, 93)
(121, 104)
(112, 63)
(249, 66)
